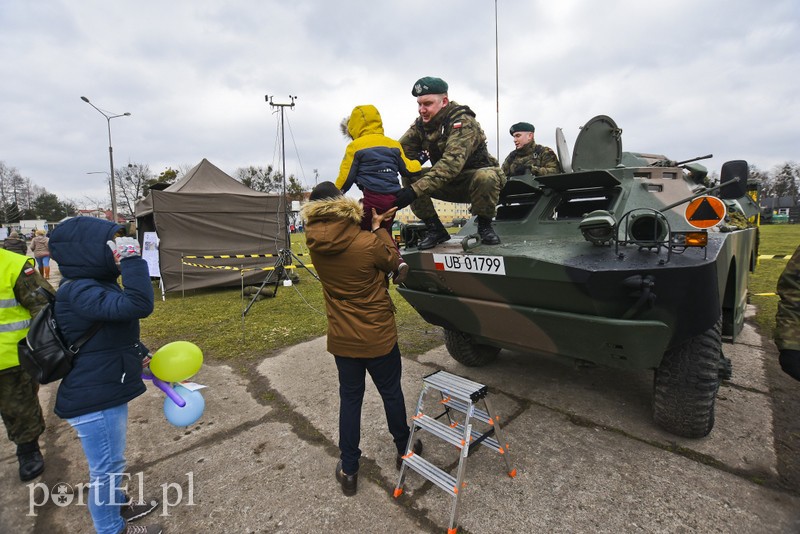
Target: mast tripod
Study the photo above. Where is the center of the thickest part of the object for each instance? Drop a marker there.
(285, 255)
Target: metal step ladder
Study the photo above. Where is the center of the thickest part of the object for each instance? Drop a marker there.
(457, 394)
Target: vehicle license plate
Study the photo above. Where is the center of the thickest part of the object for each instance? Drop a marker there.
(470, 263)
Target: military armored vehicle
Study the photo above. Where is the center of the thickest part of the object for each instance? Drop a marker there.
(628, 260)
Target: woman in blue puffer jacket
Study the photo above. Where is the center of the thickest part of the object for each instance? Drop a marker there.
(107, 372)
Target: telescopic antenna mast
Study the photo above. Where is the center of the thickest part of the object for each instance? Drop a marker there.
(281, 108)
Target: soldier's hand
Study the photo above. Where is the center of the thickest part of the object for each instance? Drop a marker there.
(790, 362)
(124, 247)
(405, 197)
(423, 157)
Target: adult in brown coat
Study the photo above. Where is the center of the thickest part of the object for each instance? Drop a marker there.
(352, 265)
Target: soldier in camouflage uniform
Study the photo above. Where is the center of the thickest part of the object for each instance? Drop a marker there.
(787, 327)
(528, 157)
(462, 169)
(19, 400)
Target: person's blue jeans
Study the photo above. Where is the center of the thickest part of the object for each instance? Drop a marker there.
(103, 437)
(385, 372)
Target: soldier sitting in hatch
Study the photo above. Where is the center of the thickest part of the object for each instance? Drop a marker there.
(528, 157)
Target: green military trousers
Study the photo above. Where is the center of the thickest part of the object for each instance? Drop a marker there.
(19, 406)
(478, 187)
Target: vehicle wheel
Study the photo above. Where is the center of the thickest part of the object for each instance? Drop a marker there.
(464, 350)
(686, 385)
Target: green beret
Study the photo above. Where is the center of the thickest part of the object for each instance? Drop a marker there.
(521, 127)
(429, 86)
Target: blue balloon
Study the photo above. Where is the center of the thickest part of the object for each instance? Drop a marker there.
(195, 405)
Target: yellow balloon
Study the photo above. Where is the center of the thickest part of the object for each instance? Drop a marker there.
(176, 361)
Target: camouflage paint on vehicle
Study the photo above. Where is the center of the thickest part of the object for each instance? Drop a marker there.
(625, 303)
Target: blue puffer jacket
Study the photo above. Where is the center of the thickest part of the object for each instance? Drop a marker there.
(107, 370)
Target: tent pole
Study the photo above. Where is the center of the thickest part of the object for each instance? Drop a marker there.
(183, 289)
(241, 272)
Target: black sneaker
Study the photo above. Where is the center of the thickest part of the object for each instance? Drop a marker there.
(31, 462)
(349, 482)
(417, 448)
(142, 529)
(134, 510)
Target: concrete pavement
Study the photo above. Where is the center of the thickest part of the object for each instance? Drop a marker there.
(588, 457)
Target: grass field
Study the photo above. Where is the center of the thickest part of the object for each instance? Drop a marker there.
(775, 239)
(213, 318)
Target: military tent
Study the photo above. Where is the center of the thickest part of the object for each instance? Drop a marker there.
(208, 213)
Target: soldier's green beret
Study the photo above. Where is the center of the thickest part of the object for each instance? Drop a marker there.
(521, 127)
(429, 86)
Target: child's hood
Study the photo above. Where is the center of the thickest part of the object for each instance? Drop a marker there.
(364, 120)
(79, 246)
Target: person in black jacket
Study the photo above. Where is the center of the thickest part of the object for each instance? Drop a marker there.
(107, 372)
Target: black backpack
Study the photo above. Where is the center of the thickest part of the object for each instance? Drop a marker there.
(43, 353)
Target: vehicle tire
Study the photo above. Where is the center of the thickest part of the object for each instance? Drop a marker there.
(686, 384)
(465, 351)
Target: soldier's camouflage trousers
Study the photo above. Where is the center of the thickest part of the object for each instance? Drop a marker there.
(19, 406)
(478, 187)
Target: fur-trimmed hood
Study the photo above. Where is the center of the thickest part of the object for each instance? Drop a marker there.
(333, 208)
(331, 224)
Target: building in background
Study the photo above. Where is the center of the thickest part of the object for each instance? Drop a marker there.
(448, 212)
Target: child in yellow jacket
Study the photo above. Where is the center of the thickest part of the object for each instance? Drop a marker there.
(373, 162)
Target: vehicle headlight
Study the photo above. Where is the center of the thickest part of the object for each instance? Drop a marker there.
(598, 227)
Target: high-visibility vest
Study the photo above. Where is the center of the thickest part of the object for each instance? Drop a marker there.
(14, 318)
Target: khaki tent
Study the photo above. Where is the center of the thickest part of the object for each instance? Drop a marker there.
(208, 213)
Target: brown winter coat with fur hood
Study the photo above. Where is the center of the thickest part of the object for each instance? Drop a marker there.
(352, 265)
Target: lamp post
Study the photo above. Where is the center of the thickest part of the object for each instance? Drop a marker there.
(110, 156)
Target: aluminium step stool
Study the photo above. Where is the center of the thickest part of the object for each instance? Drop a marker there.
(460, 395)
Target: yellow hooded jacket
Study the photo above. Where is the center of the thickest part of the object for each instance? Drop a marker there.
(372, 161)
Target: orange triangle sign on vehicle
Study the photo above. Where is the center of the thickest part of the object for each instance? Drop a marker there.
(705, 212)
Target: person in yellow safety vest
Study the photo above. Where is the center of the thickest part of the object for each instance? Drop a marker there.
(19, 399)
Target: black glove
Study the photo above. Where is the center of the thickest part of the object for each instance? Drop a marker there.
(790, 362)
(405, 197)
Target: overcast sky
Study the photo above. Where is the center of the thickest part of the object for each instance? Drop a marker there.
(681, 78)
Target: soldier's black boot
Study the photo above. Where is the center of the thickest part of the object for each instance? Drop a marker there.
(435, 233)
(31, 463)
(487, 233)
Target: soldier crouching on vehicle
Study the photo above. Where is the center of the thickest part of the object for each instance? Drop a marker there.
(787, 320)
(19, 393)
(462, 171)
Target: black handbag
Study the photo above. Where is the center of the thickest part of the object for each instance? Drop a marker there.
(43, 353)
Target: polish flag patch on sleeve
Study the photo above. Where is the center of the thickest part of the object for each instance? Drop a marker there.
(456, 125)
(29, 271)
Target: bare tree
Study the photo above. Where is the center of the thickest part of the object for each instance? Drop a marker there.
(260, 178)
(131, 183)
(785, 181)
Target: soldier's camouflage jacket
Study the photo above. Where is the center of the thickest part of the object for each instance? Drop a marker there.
(453, 140)
(25, 291)
(534, 159)
(787, 320)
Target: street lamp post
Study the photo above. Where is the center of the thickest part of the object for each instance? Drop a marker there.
(110, 155)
